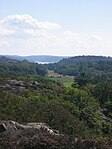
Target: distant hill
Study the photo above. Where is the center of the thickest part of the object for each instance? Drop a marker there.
(4, 59)
(37, 58)
(15, 67)
(97, 67)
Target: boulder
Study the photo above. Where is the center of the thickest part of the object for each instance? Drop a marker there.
(40, 136)
(2, 127)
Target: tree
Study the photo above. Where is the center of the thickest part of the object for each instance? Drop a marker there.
(81, 80)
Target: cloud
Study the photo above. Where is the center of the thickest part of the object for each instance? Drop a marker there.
(24, 35)
(82, 41)
(6, 32)
(26, 22)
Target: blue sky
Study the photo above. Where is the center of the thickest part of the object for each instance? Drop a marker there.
(56, 27)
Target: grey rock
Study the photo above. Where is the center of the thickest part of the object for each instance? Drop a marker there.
(2, 127)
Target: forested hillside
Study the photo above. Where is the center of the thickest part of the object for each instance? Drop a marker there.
(83, 111)
(12, 67)
(96, 67)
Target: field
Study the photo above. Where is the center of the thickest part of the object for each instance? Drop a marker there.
(66, 80)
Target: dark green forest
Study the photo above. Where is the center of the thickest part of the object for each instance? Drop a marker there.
(12, 67)
(97, 68)
(83, 110)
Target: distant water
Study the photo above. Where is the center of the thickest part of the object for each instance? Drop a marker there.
(43, 62)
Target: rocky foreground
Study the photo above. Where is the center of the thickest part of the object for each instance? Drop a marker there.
(40, 136)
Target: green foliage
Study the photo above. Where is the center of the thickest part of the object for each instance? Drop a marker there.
(75, 111)
(96, 67)
(10, 67)
(81, 80)
(102, 91)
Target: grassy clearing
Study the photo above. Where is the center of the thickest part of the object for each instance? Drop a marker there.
(66, 80)
(68, 84)
(51, 73)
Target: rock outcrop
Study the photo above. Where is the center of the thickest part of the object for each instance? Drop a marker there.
(40, 136)
(19, 87)
(9, 84)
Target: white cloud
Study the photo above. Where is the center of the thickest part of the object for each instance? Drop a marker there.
(6, 32)
(26, 22)
(24, 35)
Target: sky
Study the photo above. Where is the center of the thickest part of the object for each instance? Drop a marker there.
(56, 27)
